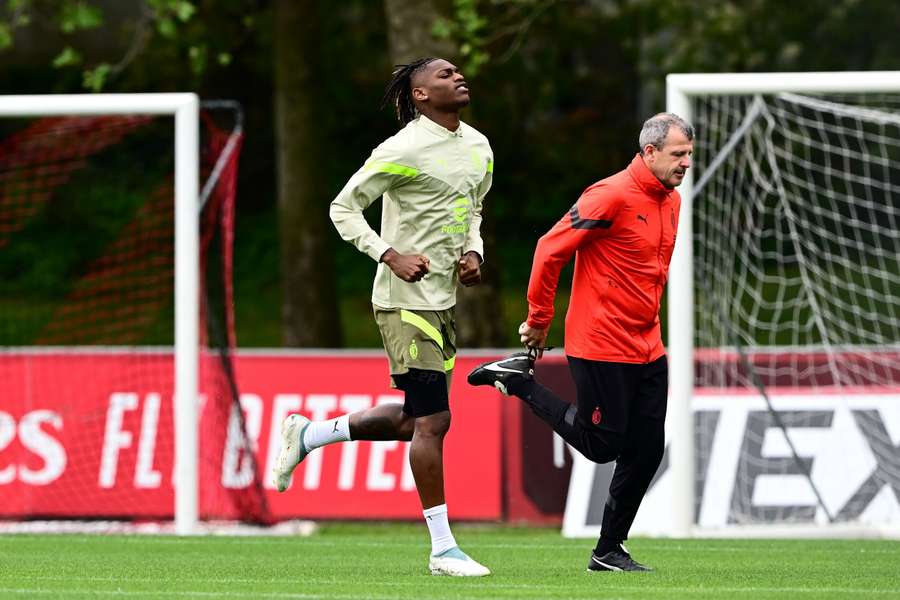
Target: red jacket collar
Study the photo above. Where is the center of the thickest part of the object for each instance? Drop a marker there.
(645, 178)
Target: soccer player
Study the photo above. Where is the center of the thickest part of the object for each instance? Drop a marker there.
(622, 232)
(433, 174)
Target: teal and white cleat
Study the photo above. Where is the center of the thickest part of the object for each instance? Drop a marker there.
(456, 563)
(292, 450)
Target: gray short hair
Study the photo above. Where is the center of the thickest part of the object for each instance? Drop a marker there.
(656, 128)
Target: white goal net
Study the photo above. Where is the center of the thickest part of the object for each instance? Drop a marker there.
(796, 282)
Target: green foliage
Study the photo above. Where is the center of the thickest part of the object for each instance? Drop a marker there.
(15, 6)
(182, 10)
(169, 13)
(6, 38)
(761, 35)
(467, 29)
(94, 79)
(166, 27)
(16, 18)
(198, 55)
(67, 58)
(166, 17)
(558, 86)
(79, 15)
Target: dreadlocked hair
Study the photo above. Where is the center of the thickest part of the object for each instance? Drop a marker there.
(398, 93)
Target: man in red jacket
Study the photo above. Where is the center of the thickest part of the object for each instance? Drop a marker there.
(622, 232)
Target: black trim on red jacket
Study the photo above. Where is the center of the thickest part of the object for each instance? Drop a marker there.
(579, 223)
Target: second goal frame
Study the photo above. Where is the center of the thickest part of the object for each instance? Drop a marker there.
(680, 91)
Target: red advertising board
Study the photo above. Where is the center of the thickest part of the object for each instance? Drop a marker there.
(87, 435)
(372, 480)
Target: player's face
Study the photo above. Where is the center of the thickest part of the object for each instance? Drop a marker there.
(672, 161)
(442, 86)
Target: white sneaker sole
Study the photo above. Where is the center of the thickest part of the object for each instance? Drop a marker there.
(292, 451)
(455, 567)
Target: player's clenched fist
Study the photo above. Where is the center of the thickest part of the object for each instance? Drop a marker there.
(408, 267)
(470, 269)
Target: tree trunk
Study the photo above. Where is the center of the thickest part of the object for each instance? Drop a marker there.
(409, 31)
(479, 309)
(310, 315)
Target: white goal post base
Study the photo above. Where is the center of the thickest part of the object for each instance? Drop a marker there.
(292, 528)
(185, 109)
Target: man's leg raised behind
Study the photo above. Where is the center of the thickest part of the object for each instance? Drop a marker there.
(514, 375)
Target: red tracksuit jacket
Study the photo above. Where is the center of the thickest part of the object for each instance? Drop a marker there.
(622, 232)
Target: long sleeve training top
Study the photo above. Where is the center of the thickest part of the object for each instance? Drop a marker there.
(622, 233)
(433, 181)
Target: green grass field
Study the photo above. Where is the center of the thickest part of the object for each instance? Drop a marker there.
(350, 561)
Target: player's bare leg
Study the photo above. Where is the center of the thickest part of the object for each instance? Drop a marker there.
(383, 422)
(300, 436)
(426, 457)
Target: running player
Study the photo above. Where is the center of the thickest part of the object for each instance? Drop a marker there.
(433, 175)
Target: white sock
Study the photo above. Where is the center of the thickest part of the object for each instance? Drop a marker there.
(322, 433)
(439, 528)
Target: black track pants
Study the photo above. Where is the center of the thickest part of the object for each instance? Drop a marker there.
(619, 416)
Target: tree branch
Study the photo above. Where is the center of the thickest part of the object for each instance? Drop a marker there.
(523, 29)
(138, 42)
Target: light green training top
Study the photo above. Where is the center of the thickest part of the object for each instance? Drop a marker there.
(433, 181)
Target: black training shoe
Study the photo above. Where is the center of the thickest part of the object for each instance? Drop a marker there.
(500, 372)
(615, 560)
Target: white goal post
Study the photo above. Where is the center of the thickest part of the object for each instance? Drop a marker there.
(682, 91)
(185, 109)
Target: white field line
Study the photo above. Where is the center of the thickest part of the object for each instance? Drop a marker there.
(481, 583)
(643, 590)
(577, 545)
(156, 594)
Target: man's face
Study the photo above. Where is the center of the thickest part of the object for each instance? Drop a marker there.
(670, 162)
(441, 85)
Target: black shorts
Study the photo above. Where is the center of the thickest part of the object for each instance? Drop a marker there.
(611, 394)
(427, 392)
